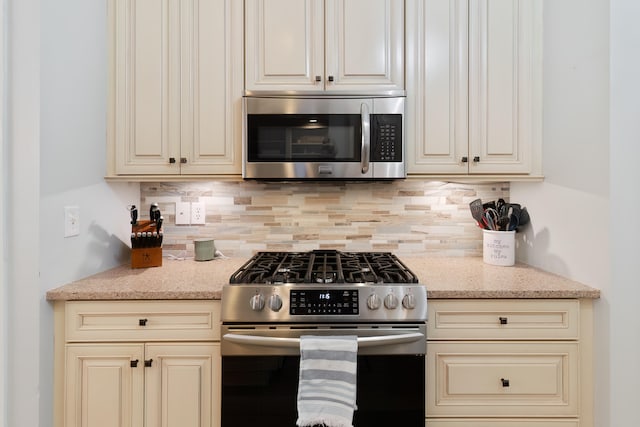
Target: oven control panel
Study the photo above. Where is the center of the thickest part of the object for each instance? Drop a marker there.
(323, 301)
(326, 303)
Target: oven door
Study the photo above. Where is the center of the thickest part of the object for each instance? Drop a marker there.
(260, 374)
(307, 138)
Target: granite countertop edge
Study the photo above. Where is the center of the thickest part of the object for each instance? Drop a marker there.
(444, 277)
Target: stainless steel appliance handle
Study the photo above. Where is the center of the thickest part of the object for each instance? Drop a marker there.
(295, 342)
(366, 137)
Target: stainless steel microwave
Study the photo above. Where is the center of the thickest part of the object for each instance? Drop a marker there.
(323, 138)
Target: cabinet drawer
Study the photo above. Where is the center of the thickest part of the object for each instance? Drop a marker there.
(491, 379)
(493, 422)
(142, 320)
(503, 319)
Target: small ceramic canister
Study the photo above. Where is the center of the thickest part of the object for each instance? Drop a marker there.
(205, 249)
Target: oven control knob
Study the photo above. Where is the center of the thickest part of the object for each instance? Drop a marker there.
(391, 301)
(257, 302)
(275, 302)
(373, 302)
(409, 302)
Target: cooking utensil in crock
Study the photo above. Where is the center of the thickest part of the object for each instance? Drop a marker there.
(491, 219)
(524, 217)
(477, 212)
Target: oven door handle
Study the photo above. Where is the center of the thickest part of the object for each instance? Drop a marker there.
(295, 342)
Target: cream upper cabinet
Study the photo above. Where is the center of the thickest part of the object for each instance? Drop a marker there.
(175, 87)
(474, 81)
(347, 46)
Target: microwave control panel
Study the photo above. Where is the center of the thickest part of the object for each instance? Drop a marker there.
(386, 138)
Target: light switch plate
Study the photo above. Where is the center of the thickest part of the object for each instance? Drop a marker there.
(71, 221)
(183, 213)
(198, 214)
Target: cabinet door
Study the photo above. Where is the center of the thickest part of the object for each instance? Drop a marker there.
(103, 389)
(144, 124)
(437, 81)
(364, 45)
(284, 45)
(182, 385)
(504, 85)
(176, 87)
(211, 82)
(474, 87)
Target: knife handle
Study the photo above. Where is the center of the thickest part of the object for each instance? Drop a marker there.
(134, 215)
(154, 212)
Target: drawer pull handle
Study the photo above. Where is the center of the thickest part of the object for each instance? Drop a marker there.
(503, 320)
(142, 322)
(134, 363)
(505, 383)
(147, 363)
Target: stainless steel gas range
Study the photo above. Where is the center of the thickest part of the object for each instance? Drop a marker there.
(277, 297)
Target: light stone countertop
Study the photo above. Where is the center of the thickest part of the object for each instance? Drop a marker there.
(466, 277)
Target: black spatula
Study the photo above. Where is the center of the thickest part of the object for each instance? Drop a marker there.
(477, 212)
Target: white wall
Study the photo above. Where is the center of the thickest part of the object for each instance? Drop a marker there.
(56, 147)
(624, 293)
(3, 236)
(590, 156)
(23, 117)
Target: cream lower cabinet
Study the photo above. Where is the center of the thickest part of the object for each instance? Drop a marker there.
(509, 363)
(130, 364)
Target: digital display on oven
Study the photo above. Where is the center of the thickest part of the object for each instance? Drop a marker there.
(323, 301)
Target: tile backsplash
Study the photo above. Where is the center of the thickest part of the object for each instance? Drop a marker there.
(407, 217)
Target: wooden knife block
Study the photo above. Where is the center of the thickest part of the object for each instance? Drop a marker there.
(147, 256)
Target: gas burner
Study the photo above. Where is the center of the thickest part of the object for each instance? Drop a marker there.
(325, 277)
(323, 267)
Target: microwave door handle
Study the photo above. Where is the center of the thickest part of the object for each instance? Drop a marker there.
(295, 342)
(366, 137)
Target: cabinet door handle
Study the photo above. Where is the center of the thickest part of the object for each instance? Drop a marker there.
(318, 78)
(503, 320)
(183, 160)
(505, 382)
(142, 322)
(147, 363)
(476, 159)
(172, 160)
(330, 78)
(465, 159)
(134, 363)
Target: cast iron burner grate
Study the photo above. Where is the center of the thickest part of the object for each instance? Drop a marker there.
(323, 267)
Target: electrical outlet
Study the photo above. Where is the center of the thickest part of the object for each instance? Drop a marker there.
(71, 221)
(183, 213)
(198, 213)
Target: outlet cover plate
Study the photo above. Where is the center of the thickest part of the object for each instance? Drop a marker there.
(198, 214)
(183, 213)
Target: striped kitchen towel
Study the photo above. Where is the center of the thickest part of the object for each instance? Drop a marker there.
(327, 386)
